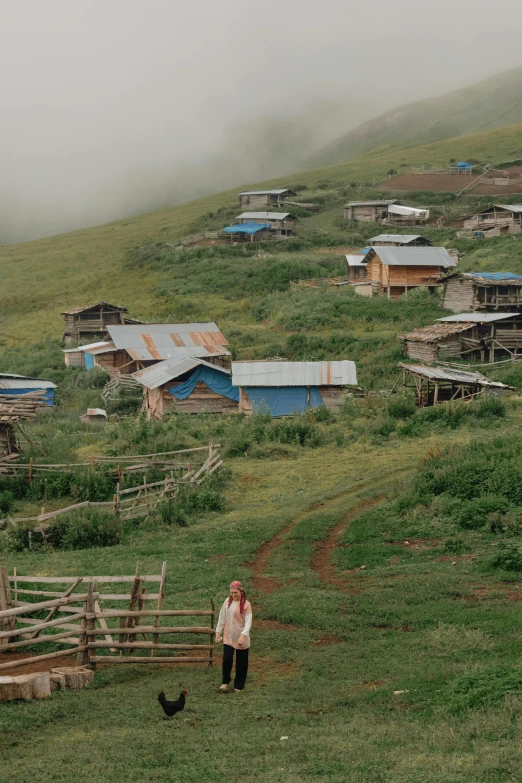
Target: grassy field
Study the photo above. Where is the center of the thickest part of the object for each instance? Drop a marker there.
(383, 647)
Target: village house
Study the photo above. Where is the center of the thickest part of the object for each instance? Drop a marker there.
(368, 211)
(497, 216)
(432, 385)
(286, 388)
(188, 385)
(400, 240)
(478, 337)
(281, 223)
(84, 324)
(400, 215)
(486, 291)
(14, 408)
(264, 198)
(395, 270)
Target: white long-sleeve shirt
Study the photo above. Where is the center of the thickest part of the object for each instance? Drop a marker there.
(234, 624)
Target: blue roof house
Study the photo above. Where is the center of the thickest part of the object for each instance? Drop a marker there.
(20, 384)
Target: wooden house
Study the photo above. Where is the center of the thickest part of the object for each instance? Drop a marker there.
(281, 223)
(478, 337)
(482, 291)
(368, 211)
(264, 198)
(433, 385)
(508, 216)
(400, 215)
(13, 409)
(286, 388)
(84, 324)
(83, 355)
(187, 385)
(395, 270)
(400, 240)
(357, 270)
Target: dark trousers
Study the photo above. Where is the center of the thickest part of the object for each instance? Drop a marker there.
(241, 666)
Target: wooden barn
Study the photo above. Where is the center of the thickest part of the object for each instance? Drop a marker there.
(286, 388)
(13, 409)
(83, 324)
(400, 240)
(400, 215)
(433, 385)
(281, 223)
(507, 216)
(83, 355)
(138, 346)
(187, 385)
(265, 198)
(486, 291)
(395, 270)
(478, 337)
(368, 211)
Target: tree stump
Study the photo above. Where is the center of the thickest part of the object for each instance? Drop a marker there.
(25, 686)
(76, 677)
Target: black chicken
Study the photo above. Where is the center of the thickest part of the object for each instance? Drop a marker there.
(170, 708)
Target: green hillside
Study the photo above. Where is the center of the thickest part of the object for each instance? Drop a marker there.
(493, 103)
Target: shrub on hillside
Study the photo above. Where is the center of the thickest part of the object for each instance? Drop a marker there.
(82, 529)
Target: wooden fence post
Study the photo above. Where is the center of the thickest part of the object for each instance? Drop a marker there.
(212, 638)
(88, 624)
(5, 603)
(161, 595)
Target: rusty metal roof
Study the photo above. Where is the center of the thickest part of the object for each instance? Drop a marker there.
(163, 372)
(156, 342)
(339, 373)
(457, 376)
(76, 310)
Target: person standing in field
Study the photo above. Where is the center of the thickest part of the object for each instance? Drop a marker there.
(235, 620)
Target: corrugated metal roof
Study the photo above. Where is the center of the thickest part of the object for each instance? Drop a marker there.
(458, 376)
(155, 342)
(76, 310)
(163, 372)
(356, 260)
(277, 192)
(435, 332)
(405, 238)
(399, 209)
(96, 412)
(11, 381)
(88, 346)
(414, 256)
(383, 203)
(107, 347)
(511, 207)
(342, 373)
(264, 216)
(479, 318)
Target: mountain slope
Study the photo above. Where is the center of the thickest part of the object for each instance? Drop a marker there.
(493, 103)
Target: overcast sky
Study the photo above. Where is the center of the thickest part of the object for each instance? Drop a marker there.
(113, 107)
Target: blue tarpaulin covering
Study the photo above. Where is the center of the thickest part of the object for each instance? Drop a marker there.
(246, 228)
(363, 251)
(283, 400)
(497, 276)
(48, 397)
(217, 381)
(463, 165)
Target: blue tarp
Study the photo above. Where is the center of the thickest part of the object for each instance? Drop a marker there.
(218, 382)
(497, 276)
(48, 397)
(88, 360)
(463, 165)
(283, 400)
(363, 251)
(246, 228)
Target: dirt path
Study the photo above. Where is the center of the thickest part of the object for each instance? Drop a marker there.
(320, 562)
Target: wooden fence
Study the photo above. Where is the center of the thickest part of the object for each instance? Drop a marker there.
(88, 626)
(316, 282)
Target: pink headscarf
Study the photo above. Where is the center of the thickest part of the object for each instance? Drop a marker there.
(238, 586)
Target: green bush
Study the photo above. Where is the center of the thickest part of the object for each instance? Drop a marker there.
(508, 557)
(82, 529)
(6, 501)
(401, 408)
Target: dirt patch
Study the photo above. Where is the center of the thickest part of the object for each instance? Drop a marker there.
(327, 639)
(370, 686)
(321, 559)
(31, 668)
(274, 625)
(215, 558)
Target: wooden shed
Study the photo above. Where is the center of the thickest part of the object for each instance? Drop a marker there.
(285, 388)
(475, 336)
(84, 324)
(395, 270)
(13, 409)
(508, 216)
(433, 385)
(188, 385)
(400, 240)
(264, 198)
(486, 291)
(281, 223)
(368, 211)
